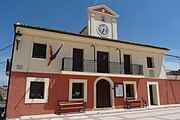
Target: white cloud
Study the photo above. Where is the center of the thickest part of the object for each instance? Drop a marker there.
(172, 65)
(175, 52)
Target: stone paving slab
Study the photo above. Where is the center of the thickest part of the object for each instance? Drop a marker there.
(160, 113)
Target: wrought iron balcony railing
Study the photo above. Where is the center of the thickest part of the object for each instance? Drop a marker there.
(84, 65)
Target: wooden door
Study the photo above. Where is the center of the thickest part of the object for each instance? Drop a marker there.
(102, 62)
(151, 94)
(127, 64)
(77, 59)
(102, 94)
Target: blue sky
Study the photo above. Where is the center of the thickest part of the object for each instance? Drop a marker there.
(154, 22)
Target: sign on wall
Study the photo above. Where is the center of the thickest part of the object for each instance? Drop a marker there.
(119, 91)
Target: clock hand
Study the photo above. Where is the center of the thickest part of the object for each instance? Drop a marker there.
(103, 30)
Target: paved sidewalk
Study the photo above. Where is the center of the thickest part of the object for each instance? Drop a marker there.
(170, 112)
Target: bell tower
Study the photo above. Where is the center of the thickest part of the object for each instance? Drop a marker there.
(102, 22)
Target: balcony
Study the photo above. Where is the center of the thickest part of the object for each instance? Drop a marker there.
(84, 65)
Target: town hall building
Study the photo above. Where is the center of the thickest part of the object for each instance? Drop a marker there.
(49, 66)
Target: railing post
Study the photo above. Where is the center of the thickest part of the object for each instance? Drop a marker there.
(141, 70)
(119, 58)
(62, 64)
(95, 66)
(109, 67)
(94, 57)
(131, 69)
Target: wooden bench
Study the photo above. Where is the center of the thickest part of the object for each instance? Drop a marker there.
(67, 105)
(130, 101)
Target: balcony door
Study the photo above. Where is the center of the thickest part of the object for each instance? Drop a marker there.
(77, 59)
(127, 64)
(102, 62)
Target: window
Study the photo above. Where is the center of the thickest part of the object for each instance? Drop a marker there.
(102, 62)
(102, 18)
(150, 62)
(39, 51)
(36, 90)
(130, 89)
(77, 59)
(77, 90)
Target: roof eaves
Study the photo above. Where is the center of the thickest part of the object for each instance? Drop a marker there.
(89, 36)
(83, 30)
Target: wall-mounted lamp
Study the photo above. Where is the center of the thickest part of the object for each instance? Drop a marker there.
(17, 38)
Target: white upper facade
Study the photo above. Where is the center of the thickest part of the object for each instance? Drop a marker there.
(98, 54)
(102, 22)
(24, 61)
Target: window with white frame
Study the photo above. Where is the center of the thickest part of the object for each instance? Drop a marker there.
(150, 62)
(77, 89)
(39, 51)
(130, 89)
(36, 90)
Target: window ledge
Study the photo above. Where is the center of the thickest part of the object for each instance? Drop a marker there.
(151, 68)
(39, 58)
(102, 74)
(78, 99)
(36, 101)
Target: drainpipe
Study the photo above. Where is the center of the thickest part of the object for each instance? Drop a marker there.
(119, 57)
(94, 57)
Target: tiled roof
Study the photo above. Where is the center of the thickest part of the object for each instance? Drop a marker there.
(88, 36)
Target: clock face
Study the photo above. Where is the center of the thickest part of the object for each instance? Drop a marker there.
(103, 29)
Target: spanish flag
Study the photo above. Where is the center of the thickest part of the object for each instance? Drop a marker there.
(53, 56)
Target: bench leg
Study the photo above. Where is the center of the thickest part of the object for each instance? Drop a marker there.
(128, 105)
(144, 103)
(60, 110)
(84, 107)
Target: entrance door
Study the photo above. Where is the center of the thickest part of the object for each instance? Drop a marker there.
(127, 64)
(102, 94)
(153, 95)
(77, 59)
(102, 62)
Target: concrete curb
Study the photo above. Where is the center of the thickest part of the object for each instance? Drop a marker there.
(88, 113)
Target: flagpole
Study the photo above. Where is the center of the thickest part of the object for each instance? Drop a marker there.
(53, 56)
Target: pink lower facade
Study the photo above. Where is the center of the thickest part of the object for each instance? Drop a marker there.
(59, 91)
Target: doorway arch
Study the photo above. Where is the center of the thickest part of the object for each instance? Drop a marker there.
(100, 81)
(103, 94)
